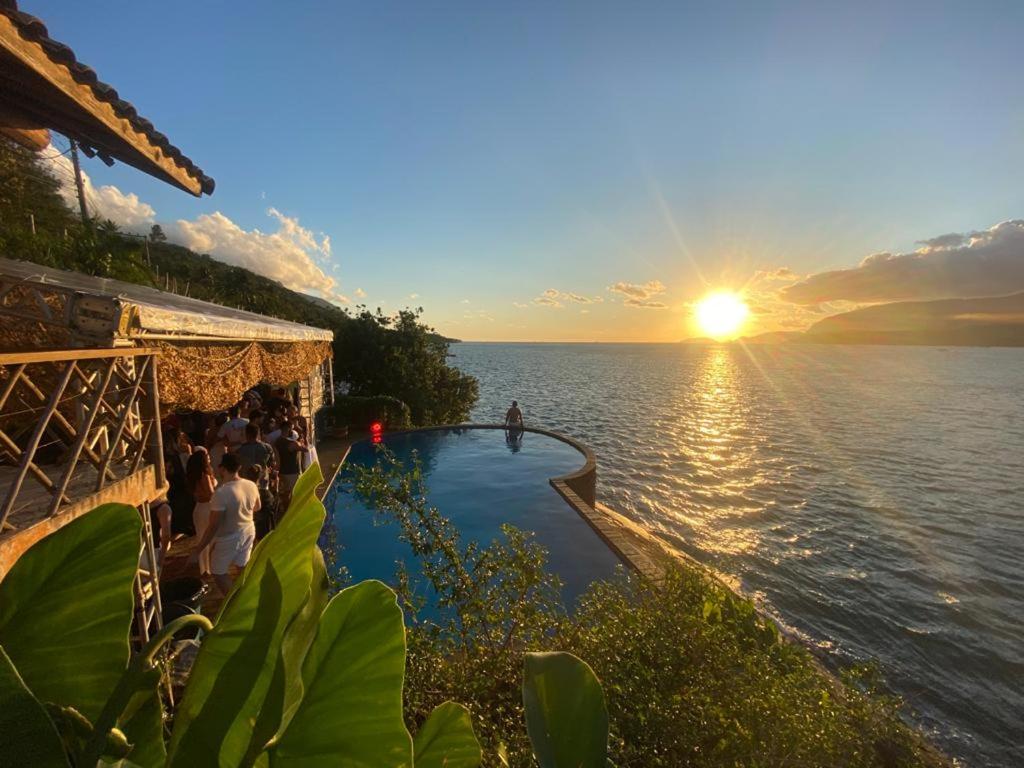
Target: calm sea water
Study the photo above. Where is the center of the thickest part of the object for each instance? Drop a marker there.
(869, 498)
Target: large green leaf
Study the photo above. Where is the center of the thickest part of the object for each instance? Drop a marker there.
(565, 711)
(351, 713)
(143, 723)
(446, 739)
(66, 608)
(27, 734)
(286, 687)
(233, 673)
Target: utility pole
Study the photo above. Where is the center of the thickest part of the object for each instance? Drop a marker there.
(78, 182)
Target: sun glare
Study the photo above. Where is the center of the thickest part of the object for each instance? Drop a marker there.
(720, 315)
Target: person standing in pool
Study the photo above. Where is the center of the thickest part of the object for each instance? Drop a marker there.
(514, 416)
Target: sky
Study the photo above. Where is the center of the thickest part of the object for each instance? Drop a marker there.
(585, 172)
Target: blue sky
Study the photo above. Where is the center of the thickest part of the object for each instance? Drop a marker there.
(477, 155)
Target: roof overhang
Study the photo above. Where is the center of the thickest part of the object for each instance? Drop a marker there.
(98, 311)
(43, 87)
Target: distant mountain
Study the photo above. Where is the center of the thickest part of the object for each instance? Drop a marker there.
(774, 337)
(982, 322)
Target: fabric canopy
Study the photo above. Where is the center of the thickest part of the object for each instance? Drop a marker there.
(212, 377)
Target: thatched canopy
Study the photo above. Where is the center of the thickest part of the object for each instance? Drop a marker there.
(44, 87)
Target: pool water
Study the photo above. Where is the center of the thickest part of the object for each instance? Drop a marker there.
(479, 480)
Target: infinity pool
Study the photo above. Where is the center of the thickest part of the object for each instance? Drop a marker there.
(479, 480)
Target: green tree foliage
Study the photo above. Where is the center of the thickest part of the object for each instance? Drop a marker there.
(692, 674)
(360, 412)
(401, 357)
(375, 354)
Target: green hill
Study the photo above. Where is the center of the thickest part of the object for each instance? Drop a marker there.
(375, 354)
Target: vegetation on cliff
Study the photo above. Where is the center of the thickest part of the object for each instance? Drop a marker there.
(376, 354)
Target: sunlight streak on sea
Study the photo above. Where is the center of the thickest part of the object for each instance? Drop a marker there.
(867, 497)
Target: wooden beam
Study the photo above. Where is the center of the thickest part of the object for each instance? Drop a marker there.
(57, 355)
(31, 55)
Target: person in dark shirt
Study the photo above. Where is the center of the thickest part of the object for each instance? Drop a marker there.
(288, 447)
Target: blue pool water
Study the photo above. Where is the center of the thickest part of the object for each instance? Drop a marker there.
(479, 481)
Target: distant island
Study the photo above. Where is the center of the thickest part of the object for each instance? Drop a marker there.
(982, 322)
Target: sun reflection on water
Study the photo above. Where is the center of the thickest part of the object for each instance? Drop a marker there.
(721, 445)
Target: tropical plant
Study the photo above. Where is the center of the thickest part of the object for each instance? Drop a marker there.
(284, 676)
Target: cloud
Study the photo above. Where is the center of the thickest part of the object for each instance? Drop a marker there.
(124, 209)
(641, 295)
(413, 296)
(985, 263)
(552, 297)
(464, 301)
(519, 305)
(291, 254)
(288, 255)
(360, 293)
(645, 303)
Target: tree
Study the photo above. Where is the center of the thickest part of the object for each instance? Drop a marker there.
(403, 358)
(156, 234)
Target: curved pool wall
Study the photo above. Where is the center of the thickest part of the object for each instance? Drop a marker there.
(480, 479)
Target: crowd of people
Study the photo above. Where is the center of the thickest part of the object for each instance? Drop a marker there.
(230, 477)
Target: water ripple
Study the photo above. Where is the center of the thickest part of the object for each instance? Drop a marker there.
(867, 497)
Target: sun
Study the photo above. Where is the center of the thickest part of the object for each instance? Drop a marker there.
(721, 314)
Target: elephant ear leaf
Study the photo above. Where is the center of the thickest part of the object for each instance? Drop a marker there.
(446, 739)
(232, 680)
(351, 712)
(566, 717)
(27, 734)
(73, 589)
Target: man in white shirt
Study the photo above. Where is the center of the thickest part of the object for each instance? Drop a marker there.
(231, 528)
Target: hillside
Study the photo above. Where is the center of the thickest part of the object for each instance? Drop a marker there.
(983, 322)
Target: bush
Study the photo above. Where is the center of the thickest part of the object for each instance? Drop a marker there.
(691, 672)
(360, 412)
(399, 356)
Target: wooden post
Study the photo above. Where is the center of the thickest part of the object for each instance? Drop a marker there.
(32, 221)
(78, 182)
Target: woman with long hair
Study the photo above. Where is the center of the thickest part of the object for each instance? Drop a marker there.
(199, 474)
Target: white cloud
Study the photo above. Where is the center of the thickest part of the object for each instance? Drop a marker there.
(289, 255)
(360, 293)
(124, 209)
(414, 296)
(640, 294)
(552, 297)
(519, 305)
(985, 263)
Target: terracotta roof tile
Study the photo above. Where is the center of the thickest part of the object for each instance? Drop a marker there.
(34, 29)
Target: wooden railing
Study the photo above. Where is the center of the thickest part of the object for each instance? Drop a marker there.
(73, 423)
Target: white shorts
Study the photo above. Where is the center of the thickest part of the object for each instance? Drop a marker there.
(233, 548)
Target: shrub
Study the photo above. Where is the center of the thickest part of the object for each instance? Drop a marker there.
(360, 412)
(399, 356)
(692, 674)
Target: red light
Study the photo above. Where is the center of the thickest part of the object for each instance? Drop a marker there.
(376, 428)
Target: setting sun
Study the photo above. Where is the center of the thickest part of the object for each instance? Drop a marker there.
(720, 315)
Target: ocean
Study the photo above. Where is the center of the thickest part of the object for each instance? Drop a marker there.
(870, 499)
